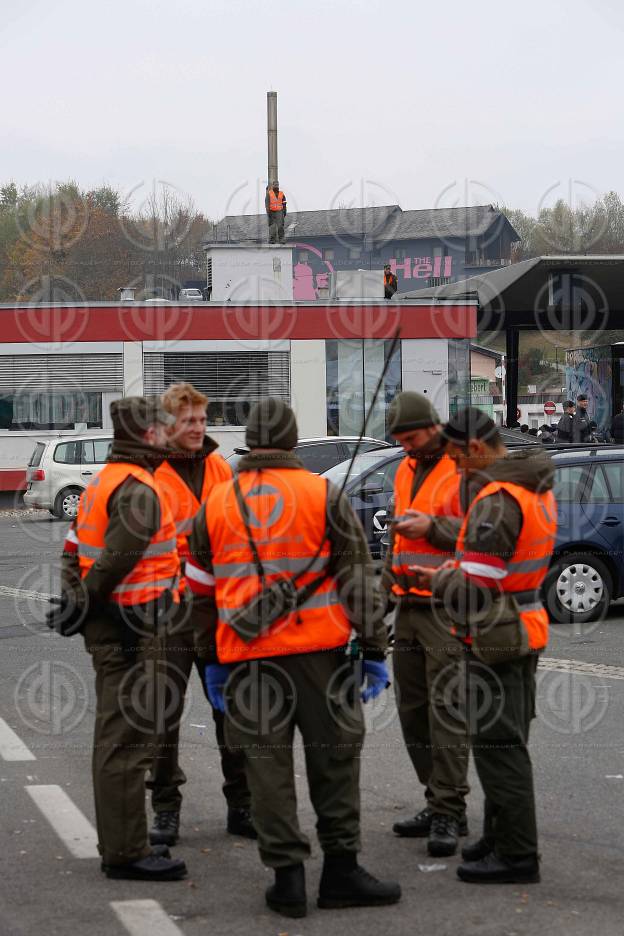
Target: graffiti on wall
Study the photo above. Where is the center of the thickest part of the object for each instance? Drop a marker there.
(311, 271)
(590, 371)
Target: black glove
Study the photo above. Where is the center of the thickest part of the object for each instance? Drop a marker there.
(68, 614)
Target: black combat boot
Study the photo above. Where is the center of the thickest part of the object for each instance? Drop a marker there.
(445, 830)
(495, 870)
(477, 850)
(165, 829)
(151, 868)
(418, 827)
(344, 883)
(288, 895)
(161, 851)
(239, 823)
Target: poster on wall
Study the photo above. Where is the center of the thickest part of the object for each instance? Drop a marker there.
(590, 371)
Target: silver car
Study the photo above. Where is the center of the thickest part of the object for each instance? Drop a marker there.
(60, 469)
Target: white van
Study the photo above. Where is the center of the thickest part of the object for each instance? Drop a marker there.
(60, 469)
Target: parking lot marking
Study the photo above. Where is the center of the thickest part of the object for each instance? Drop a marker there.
(71, 826)
(7, 591)
(145, 918)
(12, 748)
(605, 670)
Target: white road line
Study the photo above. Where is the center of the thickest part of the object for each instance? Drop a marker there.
(580, 668)
(7, 591)
(11, 746)
(145, 918)
(71, 826)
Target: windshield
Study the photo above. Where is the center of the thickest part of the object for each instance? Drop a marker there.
(361, 463)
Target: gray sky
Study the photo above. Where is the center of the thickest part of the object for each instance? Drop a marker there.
(378, 102)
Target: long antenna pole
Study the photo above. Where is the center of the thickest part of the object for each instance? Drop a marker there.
(272, 170)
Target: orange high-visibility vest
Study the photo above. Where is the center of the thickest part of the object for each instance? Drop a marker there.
(288, 518)
(438, 496)
(527, 568)
(182, 500)
(159, 566)
(388, 279)
(276, 202)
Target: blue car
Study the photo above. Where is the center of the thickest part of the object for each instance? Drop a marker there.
(586, 571)
(587, 568)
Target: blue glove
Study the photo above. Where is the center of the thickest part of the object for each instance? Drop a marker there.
(216, 676)
(375, 675)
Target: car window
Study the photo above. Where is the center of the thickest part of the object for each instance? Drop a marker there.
(614, 473)
(568, 481)
(362, 447)
(380, 478)
(598, 490)
(95, 451)
(67, 453)
(35, 458)
(319, 458)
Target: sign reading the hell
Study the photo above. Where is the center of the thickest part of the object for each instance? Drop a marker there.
(422, 267)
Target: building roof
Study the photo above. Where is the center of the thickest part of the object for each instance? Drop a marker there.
(487, 352)
(521, 294)
(385, 223)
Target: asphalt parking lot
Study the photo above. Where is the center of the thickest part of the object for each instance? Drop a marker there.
(51, 880)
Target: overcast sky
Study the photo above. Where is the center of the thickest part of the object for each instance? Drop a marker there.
(378, 102)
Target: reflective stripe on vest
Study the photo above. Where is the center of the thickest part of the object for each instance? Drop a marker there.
(287, 509)
(182, 500)
(276, 202)
(438, 495)
(158, 567)
(527, 568)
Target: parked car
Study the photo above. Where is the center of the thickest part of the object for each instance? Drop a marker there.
(190, 295)
(60, 469)
(587, 567)
(318, 455)
(587, 571)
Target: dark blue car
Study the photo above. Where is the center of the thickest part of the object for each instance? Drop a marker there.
(586, 572)
(587, 569)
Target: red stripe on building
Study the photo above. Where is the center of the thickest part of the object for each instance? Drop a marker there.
(136, 322)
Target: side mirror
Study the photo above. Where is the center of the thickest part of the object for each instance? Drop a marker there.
(368, 491)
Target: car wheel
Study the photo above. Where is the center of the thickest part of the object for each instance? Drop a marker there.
(66, 504)
(578, 589)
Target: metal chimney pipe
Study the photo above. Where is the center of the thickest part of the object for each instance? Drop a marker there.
(272, 172)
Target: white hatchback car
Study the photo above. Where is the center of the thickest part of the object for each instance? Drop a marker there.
(60, 469)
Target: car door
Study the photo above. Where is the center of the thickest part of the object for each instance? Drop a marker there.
(603, 505)
(573, 524)
(66, 467)
(369, 498)
(94, 455)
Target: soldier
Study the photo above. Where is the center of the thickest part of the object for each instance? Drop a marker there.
(492, 596)
(124, 546)
(275, 205)
(288, 567)
(426, 659)
(191, 470)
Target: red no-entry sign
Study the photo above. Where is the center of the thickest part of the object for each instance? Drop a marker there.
(550, 408)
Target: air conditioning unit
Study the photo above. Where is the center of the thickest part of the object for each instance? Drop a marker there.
(249, 273)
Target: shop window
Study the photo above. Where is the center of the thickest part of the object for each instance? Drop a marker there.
(352, 371)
